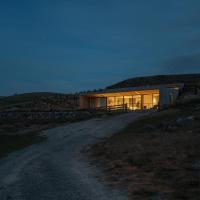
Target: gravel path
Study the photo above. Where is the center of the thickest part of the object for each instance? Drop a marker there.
(55, 169)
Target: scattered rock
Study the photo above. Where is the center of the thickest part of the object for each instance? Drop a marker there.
(12, 109)
(36, 116)
(171, 127)
(185, 121)
(149, 127)
(196, 165)
(190, 118)
(197, 108)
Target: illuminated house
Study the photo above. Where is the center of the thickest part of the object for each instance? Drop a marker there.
(144, 97)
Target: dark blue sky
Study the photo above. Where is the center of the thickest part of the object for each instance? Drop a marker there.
(74, 45)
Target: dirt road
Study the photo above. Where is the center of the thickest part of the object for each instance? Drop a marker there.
(55, 169)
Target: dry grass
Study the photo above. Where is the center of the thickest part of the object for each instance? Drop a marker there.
(188, 79)
(154, 158)
(10, 143)
(41, 101)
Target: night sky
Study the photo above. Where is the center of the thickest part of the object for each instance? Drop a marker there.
(74, 45)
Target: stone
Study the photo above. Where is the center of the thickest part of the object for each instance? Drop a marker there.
(184, 120)
(190, 118)
(150, 127)
(196, 165)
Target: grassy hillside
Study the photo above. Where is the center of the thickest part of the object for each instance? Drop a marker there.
(156, 157)
(38, 101)
(190, 80)
(10, 143)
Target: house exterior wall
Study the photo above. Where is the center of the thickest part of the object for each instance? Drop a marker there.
(132, 102)
(150, 97)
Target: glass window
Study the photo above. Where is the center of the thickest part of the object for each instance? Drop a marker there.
(133, 102)
(114, 101)
(119, 101)
(155, 100)
(136, 102)
(128, 101)
(111, 101)
(147, 101)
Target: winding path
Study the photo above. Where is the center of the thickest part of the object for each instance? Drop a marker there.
(55, 169)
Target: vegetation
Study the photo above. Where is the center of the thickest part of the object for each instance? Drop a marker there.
(157, 157)
(190, 80)
(38, 101)
(10, 143)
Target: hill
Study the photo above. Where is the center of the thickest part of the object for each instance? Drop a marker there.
(190, 80)
(46, 101)
(38, 101)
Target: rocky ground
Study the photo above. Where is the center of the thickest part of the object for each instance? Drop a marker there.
(157, 157)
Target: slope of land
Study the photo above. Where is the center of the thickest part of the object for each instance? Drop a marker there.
(39, 101)
(190, 80)
(157, 157)
(10, 143)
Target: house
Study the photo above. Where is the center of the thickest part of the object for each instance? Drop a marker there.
(144, 97)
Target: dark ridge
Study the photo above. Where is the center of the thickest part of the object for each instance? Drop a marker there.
(187, 79)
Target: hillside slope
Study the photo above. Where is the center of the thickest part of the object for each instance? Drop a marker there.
(190, 80)
(38, 101)
(156, 157)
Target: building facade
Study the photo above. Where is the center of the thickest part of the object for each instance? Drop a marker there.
(144, 97)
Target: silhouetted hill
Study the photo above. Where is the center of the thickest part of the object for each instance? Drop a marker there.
(189, 80)
(38, 101)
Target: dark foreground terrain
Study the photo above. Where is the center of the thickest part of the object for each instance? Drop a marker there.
(156, 157)
(10, 143)
(55, 169)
